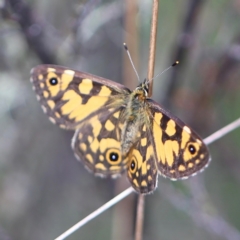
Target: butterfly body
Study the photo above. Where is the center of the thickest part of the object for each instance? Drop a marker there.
(117, 129)
(135, 115)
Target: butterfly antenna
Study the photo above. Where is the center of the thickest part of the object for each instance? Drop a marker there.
(130, 58)
(173, 65)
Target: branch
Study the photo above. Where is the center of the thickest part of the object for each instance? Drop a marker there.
(33, 31)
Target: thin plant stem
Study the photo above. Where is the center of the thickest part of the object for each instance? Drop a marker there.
(123, 213)
(140, 217)
(132, 40)
(97, 212)
(223, 131)
(152, 46)
(151, 64)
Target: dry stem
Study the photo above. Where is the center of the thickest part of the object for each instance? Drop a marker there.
(152, 46)
(151, 64)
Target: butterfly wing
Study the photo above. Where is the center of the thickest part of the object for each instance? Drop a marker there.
(97, 143)
(142, 168)
(68, 97)
(179, 151)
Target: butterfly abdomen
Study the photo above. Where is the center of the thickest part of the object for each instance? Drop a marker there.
(129, 136)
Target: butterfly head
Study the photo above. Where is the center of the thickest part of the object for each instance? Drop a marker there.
(143, 88)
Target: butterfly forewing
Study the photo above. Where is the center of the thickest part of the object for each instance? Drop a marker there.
(179, 151)
(68, 97)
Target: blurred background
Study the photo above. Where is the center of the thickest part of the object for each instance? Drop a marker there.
(44, 190)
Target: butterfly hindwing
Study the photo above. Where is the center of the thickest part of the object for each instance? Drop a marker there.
(97, 143)
(142, 169)
(68, 97)
(179, 151)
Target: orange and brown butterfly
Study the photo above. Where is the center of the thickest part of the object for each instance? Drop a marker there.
(117, 129)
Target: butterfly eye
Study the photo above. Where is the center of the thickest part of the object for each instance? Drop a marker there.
(53, 81)
(133, 165)
(192, 149)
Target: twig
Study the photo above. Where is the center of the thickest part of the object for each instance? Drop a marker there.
(223, 131)
(140, 217)
(131, 9)
(152, 46)
(186, 41)
(151, 64)
(94, 214)
(88, 7)
(33, 30)
(124, 212)
(214, 224)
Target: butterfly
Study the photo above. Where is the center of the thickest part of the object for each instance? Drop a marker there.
(118, 130)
